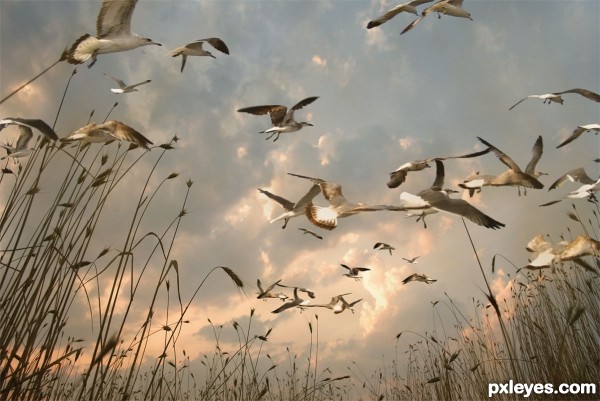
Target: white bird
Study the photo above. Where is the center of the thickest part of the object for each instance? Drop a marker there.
(314, 234)
(408, 7)
(267, 293)
(447, 7)
(514, 176)
(195, 49)
(434, 199)
(108, 132)
(39, 125)
(578, 131)
(398, 176)
(296, 302)
(412, 260)
(353, 272)
(576, 175)
(579, 247)
(557, 98)
(418, 277)
(113, 33)
(21, 149)
(584, 191)
(338, 304)
(123, 87)
(382, 246)
(326, 217)
(282, 119)
(292, 209)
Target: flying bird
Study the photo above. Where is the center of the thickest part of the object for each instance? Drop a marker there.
(584, 191)
(21, 149)
(292, 209)
(123, 87)
(296, 302)
(557, 98)
(113, 33)
(282, 119)
(578, 131)
(338, 304)
(580, 247)
(434, 199)
(408, 7)
(268, 292)
(39, 125)
(382, 246)
(412, 260)
(447, 7)
(418, 277)
(354, 272)
(195, 49)
(108, 132)
(398, 176)
(514, 176)
(326, 217)
(314, 234)
(576, 175)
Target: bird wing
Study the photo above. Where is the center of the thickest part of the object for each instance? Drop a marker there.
(537, 150)
(501, 155)
(125, 132)
(519, 102)
(468, 155)
(322, 217)
(308, 197)
(397, 178)
(583, 92)
(121, 84)
(24, 137)
(412, 24)
(217, 44)
(140, 83)
(40, 125)
(574, 135)
(438, 183)
(304, 102)
(410, 278)
(287, 205)
(387, 16)
(277, 112)
(577, 174)
(115, 17)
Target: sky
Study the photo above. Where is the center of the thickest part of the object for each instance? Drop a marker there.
(384, 99)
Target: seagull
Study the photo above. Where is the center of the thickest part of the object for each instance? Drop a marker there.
(398, 176)
(296, 302)
(434, 199)
(314, 234)
(418, 277)
(108, 132)
(547, 253)
(409, 7)
(326, 217)
(353, 272)
(338, 304)
(578, 131)
(282, 119)
(113, 33)
(292, 209)
(21, 149)
(382, 246)
(264, 294)
(39, 125)
(511, 177)
(195, 49)
(557, 98)
(584, 191)
(448, 7)
(576, 175)
(412, 260)
(579, 247)
(123, 87)
(309, 292)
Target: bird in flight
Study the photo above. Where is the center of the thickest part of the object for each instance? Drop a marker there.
(123, 87)
(412, 260)
(108, 132)
(282, 118)
(195, 49)
(557, 98)
(447, 7)
(354, 272)
(382, 246)
(292, 209)
(418, 277)
(578, 131)
(314, 234)
(408, 7)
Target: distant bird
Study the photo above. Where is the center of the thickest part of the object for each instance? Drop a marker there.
(314, 234)
(282, 119)
(292, 209)
(307, 291)
(398, 176)
(338, 304)
(557, 98)
(578, 131)
(113, 33)
(408, 7)
(21, 149)
(296, 302)
(434, 199)
(412, 260)
(108, 132)
(39, 125)
(123, 87)
(382, 246)
(195, 49)
(576, 175)
(447, 7)
(354, 272)
(267, 293)
(514, 176)
(326, 217)
(418, 277)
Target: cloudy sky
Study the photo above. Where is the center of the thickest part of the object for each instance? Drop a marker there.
(384, 99)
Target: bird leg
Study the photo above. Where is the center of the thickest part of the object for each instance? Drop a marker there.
(285, 223)
(94, 58)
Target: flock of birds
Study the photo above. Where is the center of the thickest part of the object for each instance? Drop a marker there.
(113, 34)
